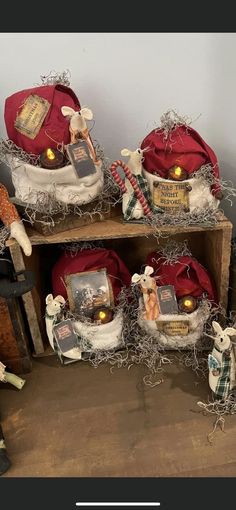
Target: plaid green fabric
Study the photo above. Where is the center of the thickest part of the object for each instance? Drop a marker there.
(143, 185)
(223, 385)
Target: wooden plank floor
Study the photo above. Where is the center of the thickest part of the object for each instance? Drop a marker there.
(80, 421)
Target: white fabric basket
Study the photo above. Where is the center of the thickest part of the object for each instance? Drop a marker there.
(200, 197)
(103, 336)
(197, 320)
(63, 183)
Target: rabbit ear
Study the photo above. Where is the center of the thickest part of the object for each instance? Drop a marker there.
(67, 110)
(87, 113)
(60, 299)
(136, 278)
(49, 299)
(148, 270)
(230, 331)
(217, 328)
(125, 152)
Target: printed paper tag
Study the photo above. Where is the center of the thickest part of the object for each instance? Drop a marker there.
(65, 336)
(171, 197)
(80, 158)
(167, 299)
(173, 328)
(30, 119)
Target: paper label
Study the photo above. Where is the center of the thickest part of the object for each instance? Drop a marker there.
(65, 336)
(80, 158)
(167, 299)
(173, 328)
(31, 117)
(171, 197)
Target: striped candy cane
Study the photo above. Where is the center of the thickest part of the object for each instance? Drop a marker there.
(139, 194)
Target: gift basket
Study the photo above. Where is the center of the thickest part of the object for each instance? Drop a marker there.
(56, 169)
(176, 300)
(85, 316)
(172, 178)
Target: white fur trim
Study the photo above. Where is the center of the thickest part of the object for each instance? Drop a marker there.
(200, 196)
(196, 320)
(63, 183)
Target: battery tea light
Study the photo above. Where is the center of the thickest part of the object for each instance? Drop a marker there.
(51, 159)
(103, 315)
(187, 304)
(177, 173)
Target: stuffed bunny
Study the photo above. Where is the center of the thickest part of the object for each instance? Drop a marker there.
(78, 126)
(149, 290)
(221, 362)
(11, 219)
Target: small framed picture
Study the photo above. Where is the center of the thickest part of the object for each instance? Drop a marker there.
(89, 291)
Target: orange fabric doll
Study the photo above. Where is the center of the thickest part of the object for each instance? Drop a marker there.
(11, 219)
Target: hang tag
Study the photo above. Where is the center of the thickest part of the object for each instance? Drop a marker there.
(31, 117)
(167, 299)
(80, 158)
(65, 336)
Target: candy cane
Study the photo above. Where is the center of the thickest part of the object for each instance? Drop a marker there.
(139, 194)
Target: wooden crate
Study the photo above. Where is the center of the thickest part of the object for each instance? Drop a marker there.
(14, 351)
(210, 245)
(62, 223)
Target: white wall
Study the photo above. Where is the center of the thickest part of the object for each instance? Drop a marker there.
(130, 79)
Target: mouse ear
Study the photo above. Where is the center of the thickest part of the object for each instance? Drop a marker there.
(60, 299)
(67, 111)
(125, 152)
(148, 270)
(136, 278)
(230, 331)
(217, 328)
(87, 113)
(49, 299)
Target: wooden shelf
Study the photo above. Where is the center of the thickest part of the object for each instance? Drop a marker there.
(115, 228)
(133, 242)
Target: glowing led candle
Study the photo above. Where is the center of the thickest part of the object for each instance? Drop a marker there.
(103, 315)
(51, 159)
(177, 173)
(187, 304)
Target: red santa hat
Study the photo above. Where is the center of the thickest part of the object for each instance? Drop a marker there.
(90, 260)
(186, 274)
(40, 125)
(183, 147)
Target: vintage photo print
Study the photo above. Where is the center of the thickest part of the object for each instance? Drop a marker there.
(88, 291)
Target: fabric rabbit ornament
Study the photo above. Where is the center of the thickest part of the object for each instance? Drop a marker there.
(221, 362)
(11, 219)
(149, 290)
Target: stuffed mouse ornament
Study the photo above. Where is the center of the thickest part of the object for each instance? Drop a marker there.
(221, 362)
